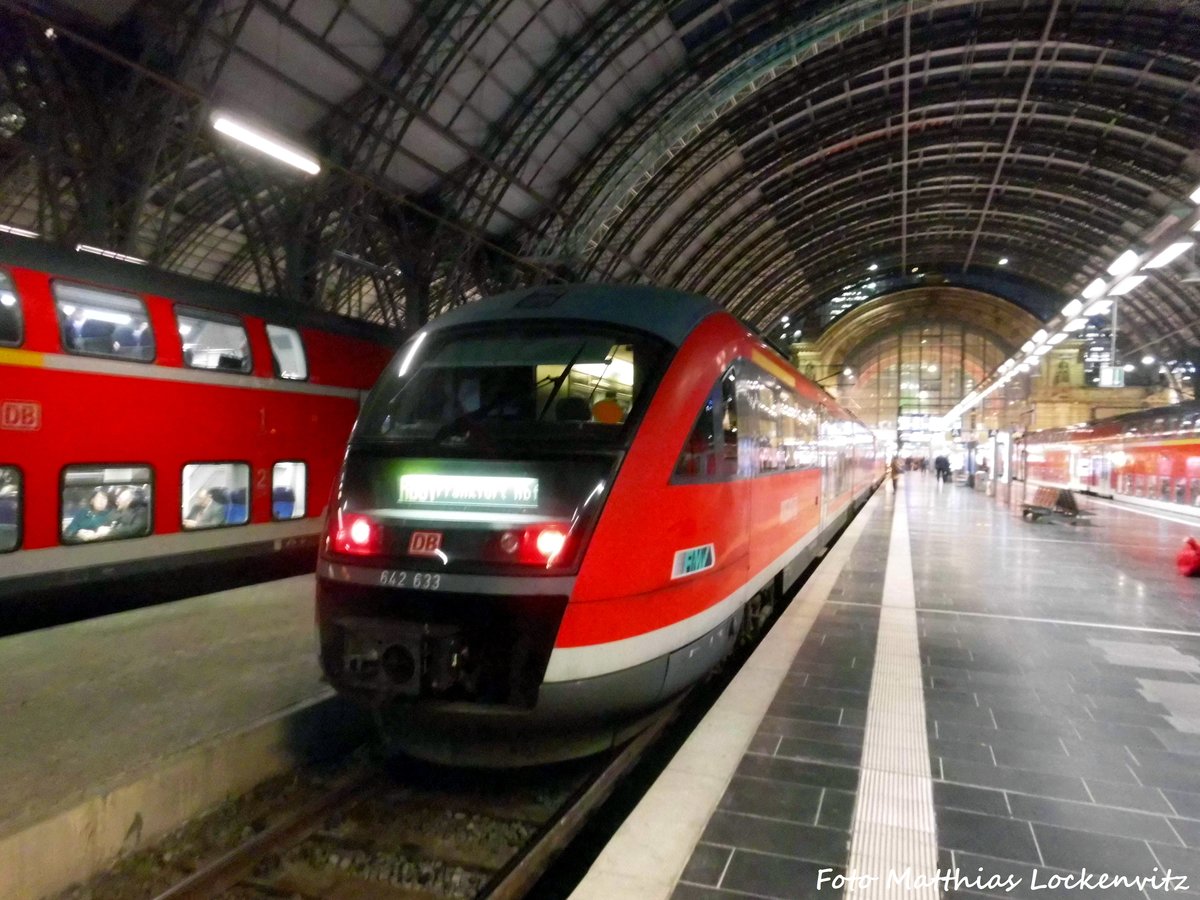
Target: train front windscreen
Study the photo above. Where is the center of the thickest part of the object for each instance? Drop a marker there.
(501, 441)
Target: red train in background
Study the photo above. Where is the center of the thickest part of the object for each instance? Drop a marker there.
(149, 421)
(562, 506)
(1149, 458)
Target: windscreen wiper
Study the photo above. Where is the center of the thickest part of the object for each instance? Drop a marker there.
(561, 379)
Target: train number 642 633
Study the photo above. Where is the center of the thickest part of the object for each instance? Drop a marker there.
(421, 581)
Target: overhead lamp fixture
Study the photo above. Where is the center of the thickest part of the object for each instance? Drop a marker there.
(264, 143)
(1095, 289)
(1126, 285)
(1123, 264)
(785, 320)
(1057, 338)
(1170, 254)
(1196, 226)
(1076, 325)
(1073, 308)
(1099, 308)
(1024, 367)
(1195, 196)
(1129, 367)
(111, 254)
(1039, 336)
(1003, 261)
(1027, 346)
(847, 371)
(19, 232)
(1041, 351)
(1147, 360)
(916, 268)
(872, 267)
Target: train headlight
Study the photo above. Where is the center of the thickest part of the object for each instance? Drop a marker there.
(355, 534)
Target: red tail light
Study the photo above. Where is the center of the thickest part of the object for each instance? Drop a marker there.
(538, 545)
(355, 534)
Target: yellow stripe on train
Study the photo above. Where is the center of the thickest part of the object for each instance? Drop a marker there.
(21, 358)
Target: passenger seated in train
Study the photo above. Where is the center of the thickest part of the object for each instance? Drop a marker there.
(131, 518)
(206, 511)
(91, 521)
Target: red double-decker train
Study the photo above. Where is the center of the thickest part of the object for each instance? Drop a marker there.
(1149, 458)
(562, 506)
(149, 421)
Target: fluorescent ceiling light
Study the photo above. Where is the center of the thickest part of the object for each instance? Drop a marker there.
(1196, 227)
(111, 254)
(265, 144)
(1076, 324)
(1126, 285)
(1039, 336)
(1057, 338)
(1024, 367)
(1073, 308)
(1099, 308)
(1041, 351)
(1195, 197)
(1124, 264)
(1027, 346)
(1170, 253)
(1095, 289)
(19, 232)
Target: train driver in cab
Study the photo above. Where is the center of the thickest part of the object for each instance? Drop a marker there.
(608, 411)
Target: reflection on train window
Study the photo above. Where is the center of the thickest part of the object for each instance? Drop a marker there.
(105, 503)
(710, 452)
(215, 494)
(515, 383)
(10, 313)
(287, 490)
(288, 352)
(103, 323)
(10, 508)
(213, 341)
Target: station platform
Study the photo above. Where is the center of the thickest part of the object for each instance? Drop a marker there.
(958, 703)
(118, 728)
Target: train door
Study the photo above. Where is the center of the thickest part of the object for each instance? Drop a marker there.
(827, 456)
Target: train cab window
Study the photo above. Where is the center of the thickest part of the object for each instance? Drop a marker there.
(517, 383)
(288, 352)
(10, 508)
(288, 490)
(10, 313)
(105, 503)
(213, 341)
(215, 495)
(95, 322)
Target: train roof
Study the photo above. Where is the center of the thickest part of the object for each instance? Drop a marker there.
(669, 314)
(57, 261)
(1116, 424)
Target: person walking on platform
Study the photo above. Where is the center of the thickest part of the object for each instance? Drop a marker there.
(894, 469)
(941, 466)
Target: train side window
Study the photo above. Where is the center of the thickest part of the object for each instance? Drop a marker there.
(105, 503)
(288, 351)
(10, 313)
(215, 495)
(288, 482)
(10, 508)
(96, 322)
(213, 341)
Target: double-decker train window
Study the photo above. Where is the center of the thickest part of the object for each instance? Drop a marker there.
(213, 341)
(215, 495)
(288, 352)
(96, 322)
(10, 312)
(105, 503)
(288, 490)
(10, 508)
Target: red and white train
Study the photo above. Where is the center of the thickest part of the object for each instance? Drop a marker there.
(1149, 458)
(562, 506)
(149, 421)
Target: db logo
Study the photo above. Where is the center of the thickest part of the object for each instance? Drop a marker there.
(425, 543)
(20, 415)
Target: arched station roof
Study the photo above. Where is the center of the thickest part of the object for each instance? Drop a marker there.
(763, 152)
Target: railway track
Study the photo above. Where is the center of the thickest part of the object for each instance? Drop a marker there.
(417, 833)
